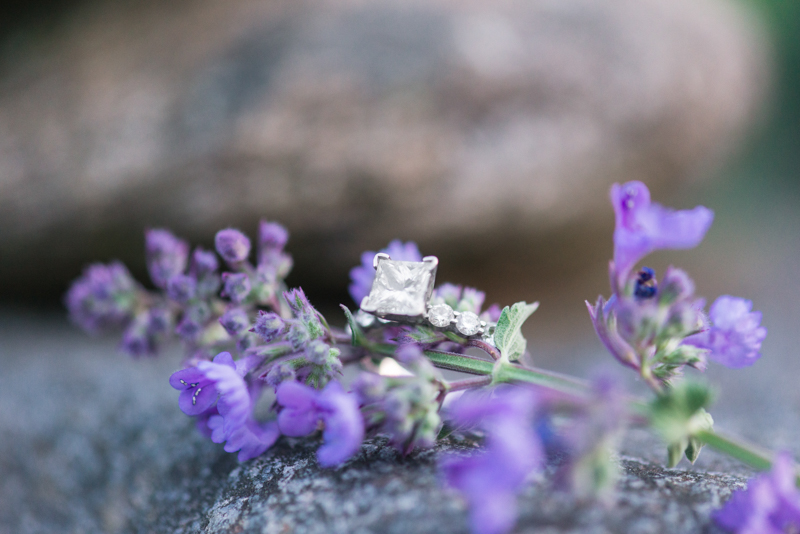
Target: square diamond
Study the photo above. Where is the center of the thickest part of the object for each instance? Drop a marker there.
(401, 289)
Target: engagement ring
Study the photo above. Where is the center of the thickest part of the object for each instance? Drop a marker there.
(401, 293)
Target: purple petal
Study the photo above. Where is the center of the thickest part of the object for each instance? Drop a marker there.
(299, 415)
(643, 227)
(181, 379)
(194, 402)
(234, 403)
(735, 335)
(252, 439)
(344, 425)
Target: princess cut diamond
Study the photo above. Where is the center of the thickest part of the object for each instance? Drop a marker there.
(401, 288)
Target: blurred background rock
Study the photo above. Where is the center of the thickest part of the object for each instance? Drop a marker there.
(488, 133)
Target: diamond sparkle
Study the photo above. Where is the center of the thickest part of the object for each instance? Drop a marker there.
(440, 315)
(468, 323)
(401, 288)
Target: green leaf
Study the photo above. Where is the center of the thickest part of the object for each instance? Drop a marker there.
(679, 415)
(356, 333)
(507, 335)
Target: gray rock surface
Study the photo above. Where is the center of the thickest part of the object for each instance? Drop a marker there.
(353, 122)
(91, 441)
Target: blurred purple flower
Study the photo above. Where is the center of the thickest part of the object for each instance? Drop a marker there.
(203, 262)
(361, 277)
(251, 439)
(103, 296)
(236, 286)
(234, 321)
(166, 255)
(232, 245)
(643, 227)
(272, 235)
(735, 335)
(605, 325)
(304, 407)
(137, 339)
(769, 505)
(181, 288)
(268, 326)
(490, 479)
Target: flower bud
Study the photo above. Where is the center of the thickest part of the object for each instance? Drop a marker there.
(317, 352)
(268, 326)
(279, 373)
(204, 262)
(236, 286)
(675, 286)
(234, 321)
(167, 255)
(181, 288)
(232, 245)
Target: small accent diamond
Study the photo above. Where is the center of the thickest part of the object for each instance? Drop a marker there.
(440, 315)
(468, 323)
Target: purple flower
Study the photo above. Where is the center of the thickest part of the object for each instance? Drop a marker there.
(304, 407)
(251, 439)
(643, 227)
(604, 323)
(490, 479)
(104, 296)
(361, 277)
(268, 326)
(234, 321)
(166, 255)
(236, 286)
(492, 313)
(204, 262)
(471, 300)
(137, 339)
(769, 505)
(735, 335)
(198, 391)
(181, 288)
(447, 293)
(272, 235)
(232, 245)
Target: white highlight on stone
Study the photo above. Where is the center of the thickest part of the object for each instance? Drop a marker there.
(400, 288)
(440, 315)
(468, 323)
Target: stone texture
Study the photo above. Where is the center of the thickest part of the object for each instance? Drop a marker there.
(92, 441)
(354, 122)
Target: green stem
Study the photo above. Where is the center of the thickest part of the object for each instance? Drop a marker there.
(747, 453)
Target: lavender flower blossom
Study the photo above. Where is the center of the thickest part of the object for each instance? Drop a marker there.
(181, 288)
(167, 256)
(103, 297)
(643, 227)
(137, 339)
(268, 326)
(769, 505)
(234, 321)
(361, 277)
(490, 479)
(198, 391)
(236, 286)
(251, 439)
(272, 235)
(304, 407)
(735, 335)
(232, 245)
